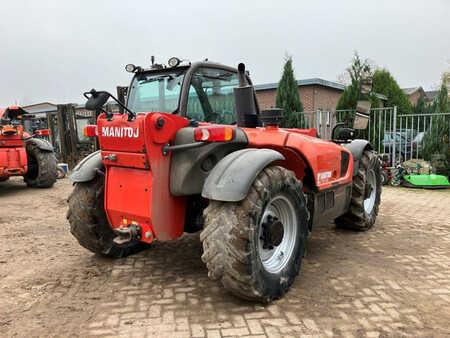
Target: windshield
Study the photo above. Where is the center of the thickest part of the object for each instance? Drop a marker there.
(155, 92)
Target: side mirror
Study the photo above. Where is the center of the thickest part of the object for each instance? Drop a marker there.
(346, 134)
(96, 100)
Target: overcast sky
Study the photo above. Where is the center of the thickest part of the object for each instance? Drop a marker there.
(55, 50)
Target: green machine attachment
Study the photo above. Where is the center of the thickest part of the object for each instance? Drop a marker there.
(431, 181)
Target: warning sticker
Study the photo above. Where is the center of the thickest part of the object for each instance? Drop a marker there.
(323, 176)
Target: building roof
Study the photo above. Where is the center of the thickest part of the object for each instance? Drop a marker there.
(314, 81)
(412, 90)
(306, 82)
(40, 107)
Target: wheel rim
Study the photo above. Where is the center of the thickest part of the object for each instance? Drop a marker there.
(369, 202)
(276, 258)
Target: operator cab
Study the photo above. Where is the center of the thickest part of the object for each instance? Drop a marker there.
(16, 116)
(202, 91)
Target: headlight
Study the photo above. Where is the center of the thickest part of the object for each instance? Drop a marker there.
(173, 62)
(130, 68)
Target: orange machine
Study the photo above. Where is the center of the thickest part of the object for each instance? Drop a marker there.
(193, 152)
(22, 154)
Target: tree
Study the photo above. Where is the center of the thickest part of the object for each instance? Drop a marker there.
(384, 83)
(442, 98)
(419, 107)
(288, 97)
(358, 71)
(436, 140)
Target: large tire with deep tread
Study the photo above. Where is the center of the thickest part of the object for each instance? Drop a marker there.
(357, 218)
(42, 170)
(231, 234)
(89, 224)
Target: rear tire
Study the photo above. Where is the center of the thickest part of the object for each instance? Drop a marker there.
(235, 246)
(89, 225)
(364, 203)
(42, 170)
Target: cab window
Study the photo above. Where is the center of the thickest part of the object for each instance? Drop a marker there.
(211, 97)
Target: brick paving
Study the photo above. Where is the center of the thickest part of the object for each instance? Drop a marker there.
(391, 281)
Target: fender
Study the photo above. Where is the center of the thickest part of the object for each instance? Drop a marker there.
(357, 147)
(40, 143)
(231, 178)
(87, 168)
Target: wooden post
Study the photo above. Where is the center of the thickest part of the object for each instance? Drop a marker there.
(73, 136)
(60, 114)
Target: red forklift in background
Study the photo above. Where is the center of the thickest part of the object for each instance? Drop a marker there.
(22, 153)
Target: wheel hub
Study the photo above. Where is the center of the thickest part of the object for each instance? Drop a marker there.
(370, 191)
(272, 233)
(277, 233)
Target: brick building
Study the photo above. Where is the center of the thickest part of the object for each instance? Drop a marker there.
(315, 94)
(414, 94)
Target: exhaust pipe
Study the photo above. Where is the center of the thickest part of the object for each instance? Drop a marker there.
(245, 101)
(241, 76)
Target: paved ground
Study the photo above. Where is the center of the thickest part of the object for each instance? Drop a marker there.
(391, 281)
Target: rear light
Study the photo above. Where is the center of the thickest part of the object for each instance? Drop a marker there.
(213, 134)
(90, 130)
(43, 132)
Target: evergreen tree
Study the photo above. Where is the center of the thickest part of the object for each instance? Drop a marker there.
(442, 99)
(419, 107)
(436, 140)
(288, 97)
(384, 83)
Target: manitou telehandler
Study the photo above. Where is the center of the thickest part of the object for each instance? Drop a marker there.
(193, 152)
(23, 154)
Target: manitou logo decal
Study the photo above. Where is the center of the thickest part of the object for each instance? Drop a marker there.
(120, 132)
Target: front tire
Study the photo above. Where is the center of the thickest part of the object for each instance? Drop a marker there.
(255, 247)
(366, 195)
(42, 170)
(89, 224)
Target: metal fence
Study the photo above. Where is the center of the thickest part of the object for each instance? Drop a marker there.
(416, 131)
(402, 136)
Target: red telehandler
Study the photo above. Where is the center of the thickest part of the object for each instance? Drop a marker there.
(193, 152)
(22, 153)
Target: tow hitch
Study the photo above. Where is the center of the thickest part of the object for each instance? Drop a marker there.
(126, 234)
